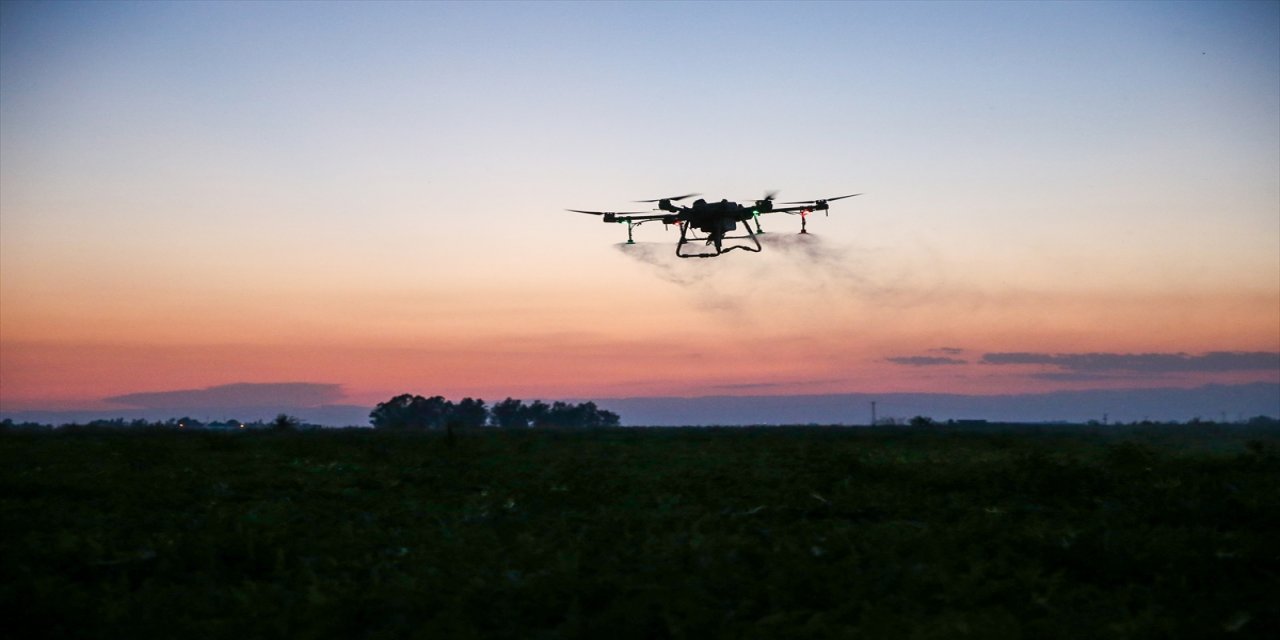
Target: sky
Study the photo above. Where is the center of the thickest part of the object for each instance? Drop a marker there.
(368, 199)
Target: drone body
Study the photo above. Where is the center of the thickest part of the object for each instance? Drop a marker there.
(715, 221)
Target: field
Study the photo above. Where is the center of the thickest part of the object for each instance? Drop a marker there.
(1154, 532)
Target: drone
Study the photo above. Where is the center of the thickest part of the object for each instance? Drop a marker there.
(714, 223)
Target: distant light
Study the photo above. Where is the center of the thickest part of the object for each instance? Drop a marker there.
(241, 426)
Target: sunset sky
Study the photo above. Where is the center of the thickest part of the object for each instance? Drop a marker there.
(370, 198)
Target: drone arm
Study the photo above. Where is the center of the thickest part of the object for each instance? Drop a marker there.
(790, 209)
(635, 219)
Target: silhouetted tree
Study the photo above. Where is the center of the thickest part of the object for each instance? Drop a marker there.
(411, 412)
(415, 412)
(563, 414)
(285, 422)
(434, 411)
(396, 413)
(8, 423)
(566, 415)
(536, 414)
(469, 413)
(509, 414)
(595, 417)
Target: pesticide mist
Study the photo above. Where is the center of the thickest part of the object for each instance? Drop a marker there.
(806, 271)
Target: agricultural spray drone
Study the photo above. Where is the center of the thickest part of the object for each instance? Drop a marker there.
(714, 222)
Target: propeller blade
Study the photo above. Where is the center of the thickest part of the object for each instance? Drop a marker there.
(823, 199)
(672, 199)
(602, 213)
(770, 195)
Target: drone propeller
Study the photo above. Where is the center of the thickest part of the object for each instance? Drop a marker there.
(764, 205)
(607, 213)
(672, 199)
(767, 199)
(823, 199)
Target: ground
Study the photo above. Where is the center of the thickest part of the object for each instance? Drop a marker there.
(899, 532)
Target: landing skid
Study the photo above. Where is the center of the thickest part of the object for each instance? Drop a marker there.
(717, 242)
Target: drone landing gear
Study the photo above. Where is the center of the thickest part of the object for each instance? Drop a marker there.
(717, 241)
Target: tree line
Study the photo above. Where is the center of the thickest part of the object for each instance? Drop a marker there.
(410, 412)
(282, 422)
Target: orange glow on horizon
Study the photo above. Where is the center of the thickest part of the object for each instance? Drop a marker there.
(495, 342)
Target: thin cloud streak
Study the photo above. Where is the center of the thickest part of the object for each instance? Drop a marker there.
(238, 395)
(925, 361)
(765, 386)
(1212, 362)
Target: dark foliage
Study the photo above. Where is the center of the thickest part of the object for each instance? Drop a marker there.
(415, 412)
(562, 414)
(509, 414)
(469, 413)
(641, 533)
(285, 422)
(411, 412)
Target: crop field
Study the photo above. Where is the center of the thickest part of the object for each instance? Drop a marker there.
(1021, 532)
